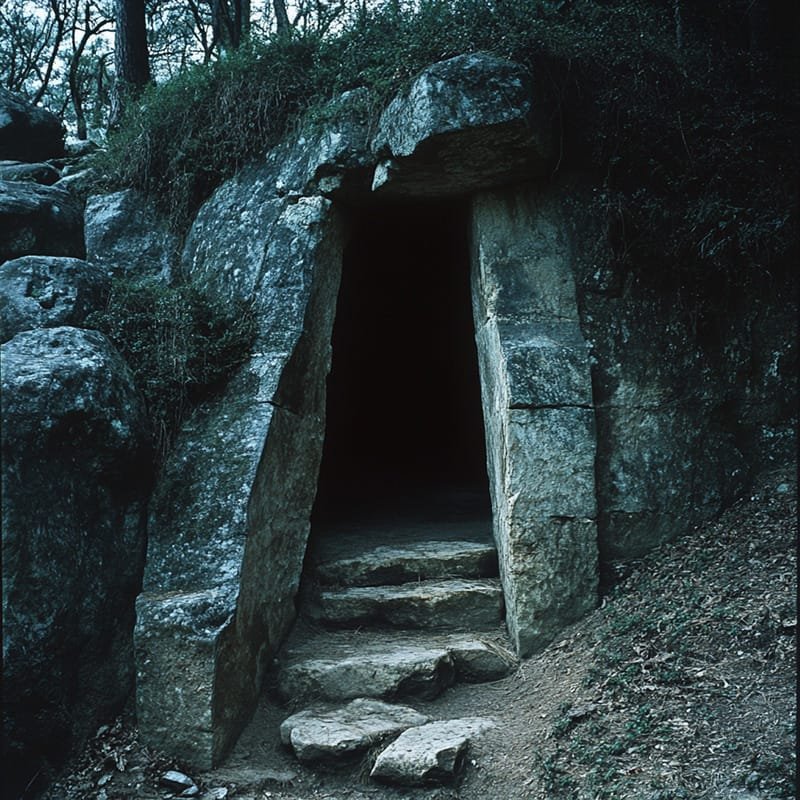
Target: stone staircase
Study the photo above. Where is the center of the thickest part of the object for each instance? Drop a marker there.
(398, 621)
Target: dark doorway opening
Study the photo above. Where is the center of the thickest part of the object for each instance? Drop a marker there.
(404, 430)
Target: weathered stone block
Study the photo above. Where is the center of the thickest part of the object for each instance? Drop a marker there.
(448, 134)
(429, 754)
(229, 518)
(540, 429)
(47, 291)
(341, 734)
(39, 220)
(125, 235)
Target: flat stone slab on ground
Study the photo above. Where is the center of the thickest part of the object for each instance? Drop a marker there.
(403, 562)
(454, 604)
(342, 665)
(379, 670)
(341, 734)
(428, 754)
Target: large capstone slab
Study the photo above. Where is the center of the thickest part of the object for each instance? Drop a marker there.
(465, 123)
(75, 446)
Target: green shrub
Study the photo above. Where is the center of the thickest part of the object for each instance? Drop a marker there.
(180, 346)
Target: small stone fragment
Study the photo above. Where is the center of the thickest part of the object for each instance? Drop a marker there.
(176, 780)
(428, 754)
(218, 793)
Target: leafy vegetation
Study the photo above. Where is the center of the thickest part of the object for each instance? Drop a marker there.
(179, 345)
(687, 114)
(686, 650)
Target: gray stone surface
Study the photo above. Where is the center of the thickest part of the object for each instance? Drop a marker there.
(75, 476)
(125, 235)
(384, 668)
(48, 291)
(27, 132)
(608, 416)
(430, 754)
(44, 173)
(401, 563)
(452, 604)
(463, 124)
(341, 734)
(344, 665)
(540, 431)
(39, 220)
(477, 660)
(228, 518)
(672, 430)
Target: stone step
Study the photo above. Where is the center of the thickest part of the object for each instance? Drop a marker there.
(429, 754)
(345, 665)
(410, 561)
(456, 604)
(341, 735)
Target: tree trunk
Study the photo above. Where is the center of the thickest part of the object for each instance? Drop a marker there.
(281, 17)
(130, 55)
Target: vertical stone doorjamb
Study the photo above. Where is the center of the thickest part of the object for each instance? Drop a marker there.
(536, 392)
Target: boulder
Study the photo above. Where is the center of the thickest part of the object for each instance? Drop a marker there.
(45, 174)
(125, 235)
(430, 754)
(48, 291)
(28, 133)
(340, 735)
(39, 220)
(75, 471)
(448, 133)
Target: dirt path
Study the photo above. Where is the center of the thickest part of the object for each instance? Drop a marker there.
(681, 685)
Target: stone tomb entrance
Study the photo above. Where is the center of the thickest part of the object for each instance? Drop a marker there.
(403, 479)
(404, 426)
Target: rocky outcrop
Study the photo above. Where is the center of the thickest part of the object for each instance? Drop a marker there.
(46, 292)
(28, 133)
(609, 422)
(125, 235)
(39, 220)
(75, 472)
